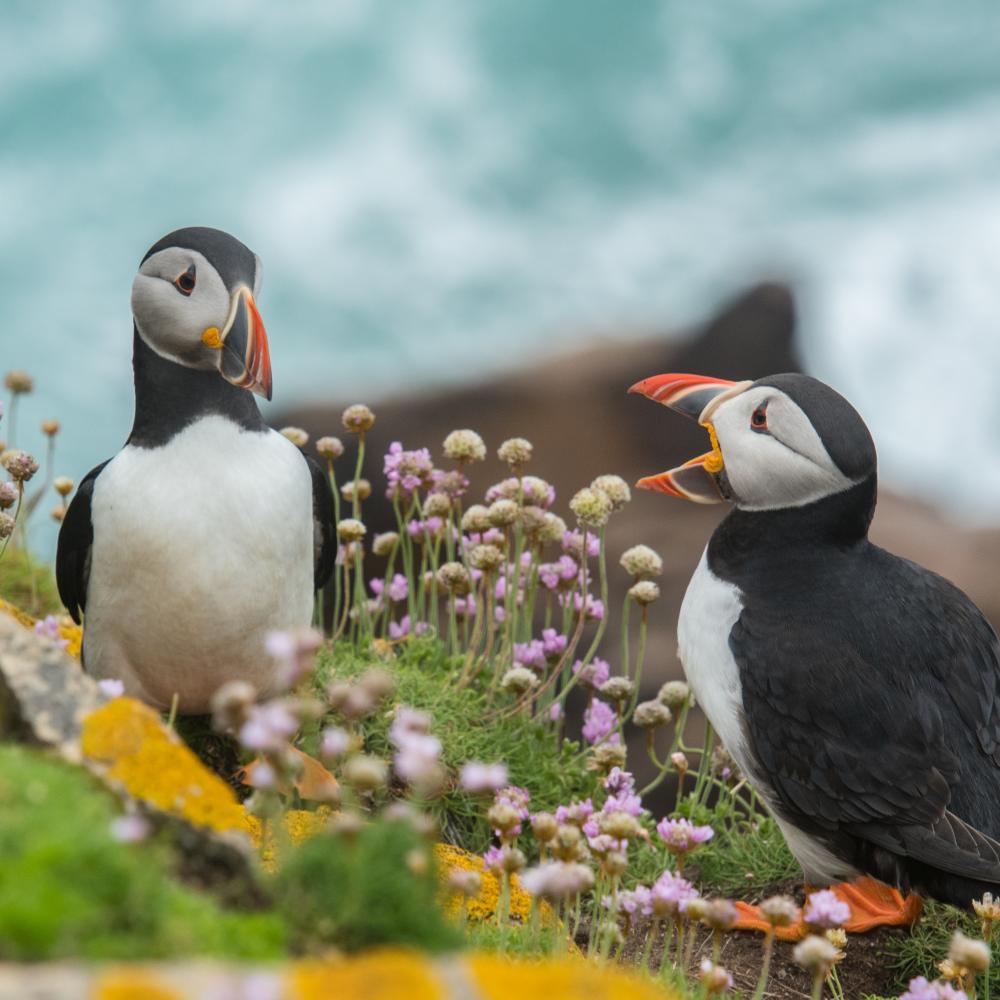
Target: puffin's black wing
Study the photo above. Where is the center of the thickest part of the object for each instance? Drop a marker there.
(871, 756)
(73, 554)
(324, 526)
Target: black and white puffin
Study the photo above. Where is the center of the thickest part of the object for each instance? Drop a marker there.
(208, 528)
(858, 691)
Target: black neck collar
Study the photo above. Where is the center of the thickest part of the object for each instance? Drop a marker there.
(746, 538)
(169, 397)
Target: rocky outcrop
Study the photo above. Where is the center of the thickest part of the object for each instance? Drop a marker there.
(575, 410)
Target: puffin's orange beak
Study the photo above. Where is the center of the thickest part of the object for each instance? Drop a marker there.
(245, 359)
(696, 396)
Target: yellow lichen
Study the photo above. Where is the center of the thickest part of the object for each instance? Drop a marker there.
(483, 906)
(299, 825)
(139, 752)
(498, 978)
(376, 975)
(132, 984)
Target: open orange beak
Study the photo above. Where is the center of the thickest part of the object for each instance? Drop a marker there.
(245, 359)
(697, 397)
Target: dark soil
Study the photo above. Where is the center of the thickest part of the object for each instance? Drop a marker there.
(863, 971)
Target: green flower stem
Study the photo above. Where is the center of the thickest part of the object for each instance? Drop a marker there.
(647, 949)
(332, 476)
(626, 663)
(706, 757)
(640, 657)
(477, 631)
(817, 990)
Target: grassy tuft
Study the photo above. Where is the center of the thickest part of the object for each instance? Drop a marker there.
(425, 678)
(376, 889)
(18, 569)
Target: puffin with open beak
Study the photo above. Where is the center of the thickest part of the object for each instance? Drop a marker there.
(858, 691)
(208, 529)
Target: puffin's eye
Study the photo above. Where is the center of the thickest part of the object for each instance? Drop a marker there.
(184, 283)
(758, 419)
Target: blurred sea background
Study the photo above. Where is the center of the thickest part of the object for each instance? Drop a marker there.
(440, 190)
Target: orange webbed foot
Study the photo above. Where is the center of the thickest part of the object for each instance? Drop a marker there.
(872, 904)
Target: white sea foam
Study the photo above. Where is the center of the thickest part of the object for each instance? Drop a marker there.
(441, 189)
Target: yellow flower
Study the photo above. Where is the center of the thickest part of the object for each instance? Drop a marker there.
(384, 974)
(498, 978)
(130, 984)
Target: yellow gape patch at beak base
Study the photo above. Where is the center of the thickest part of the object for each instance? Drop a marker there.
(714, 461)
(212, 338)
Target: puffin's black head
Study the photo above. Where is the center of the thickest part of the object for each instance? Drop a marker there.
(782, 441)
(193, 303)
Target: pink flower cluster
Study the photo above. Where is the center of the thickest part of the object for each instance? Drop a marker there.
(417, 751)
(826, 910)
(407, 471)
(681, 835)
(600, 723)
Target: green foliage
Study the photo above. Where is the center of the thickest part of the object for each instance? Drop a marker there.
(425, 678)
(377, 887)
(918, 953)
(69, 890)
(28, 583)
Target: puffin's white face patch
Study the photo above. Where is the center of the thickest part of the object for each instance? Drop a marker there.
(171, 323)
(786, 466)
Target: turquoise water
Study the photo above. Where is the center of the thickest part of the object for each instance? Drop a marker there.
(439, 190)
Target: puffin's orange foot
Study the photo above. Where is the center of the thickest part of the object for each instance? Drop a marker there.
(873, 904)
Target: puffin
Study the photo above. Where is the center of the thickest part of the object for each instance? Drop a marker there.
(858, 691)
(208, 529)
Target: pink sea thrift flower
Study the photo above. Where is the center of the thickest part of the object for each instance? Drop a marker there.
(682, 836)
(826, 910)
(594, 674)
(553, 644)
(921, 989)
(480, 778)
(407, 471)
(493, 859)
(599, 723)
(576, 813)
(49, 628)
(268, 727)
(294, 653)
(130, 828)
(573, 543)
(530, 654)
(399, 631)
(670, 894)
(335, 743)
(622, 797)
(111, 687)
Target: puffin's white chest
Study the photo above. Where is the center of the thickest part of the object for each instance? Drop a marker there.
(710, 608)
(200, 547)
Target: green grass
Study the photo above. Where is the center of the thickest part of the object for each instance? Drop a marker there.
(918, 953)
(378, 887)
(551, 771)
(17, 571)
(69, 890)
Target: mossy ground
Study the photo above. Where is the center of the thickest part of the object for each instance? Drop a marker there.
(68, 889)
